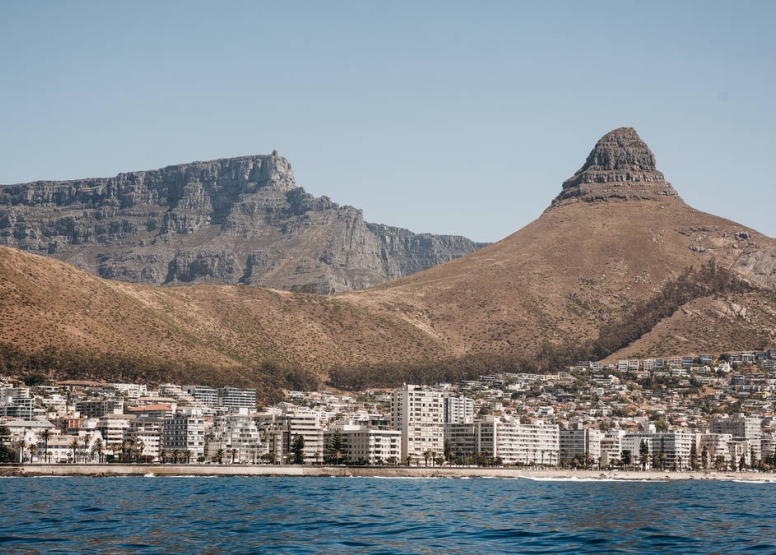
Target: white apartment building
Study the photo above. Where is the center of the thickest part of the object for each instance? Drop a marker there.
(16, 402)
(205, 395)
(236, 432)
(459, 410)
(675, 445)
(740, 427)
(112, 428)
(517, 443)
(236, 398)
(716, 445)
(131, 390)
(279, 430)
(147, 435)
(185, 431)
(611, 447)
(362, 443)
(418, 413)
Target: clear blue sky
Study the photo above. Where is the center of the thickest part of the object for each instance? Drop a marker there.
(446, 117)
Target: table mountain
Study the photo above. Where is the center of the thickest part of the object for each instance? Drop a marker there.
(231, 221)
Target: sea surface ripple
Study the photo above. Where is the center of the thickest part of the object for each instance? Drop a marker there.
(371, 515)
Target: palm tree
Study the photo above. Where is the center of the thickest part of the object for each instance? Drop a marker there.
(175, 455)
(162, 455)
(33, 451)
(98, 448)
(74, 445)
(45, 435)
(426, 455)
(189, 454)
(234, 454)
(219, 456)
(22, 445)
(87, 439)
(140, 445)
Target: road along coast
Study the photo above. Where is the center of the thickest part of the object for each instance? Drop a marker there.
(160, 470)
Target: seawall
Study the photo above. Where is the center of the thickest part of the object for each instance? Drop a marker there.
(364, 471)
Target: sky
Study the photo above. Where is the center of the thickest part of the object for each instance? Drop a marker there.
(437, 116)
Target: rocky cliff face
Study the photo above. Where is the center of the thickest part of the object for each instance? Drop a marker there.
(238, 220)
(621, 166)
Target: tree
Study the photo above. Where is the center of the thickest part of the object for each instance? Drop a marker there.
(426, 456)
(219, 456)
(297, 448)
(661, 425)
(694, 457)
(719, 462)
(98, 448)
(742, 462)
(704, 457)
(234, 454)
(626, 458)
(189, 454)
(45, 435)
(334, 449)
(74, 445)
(643, 454)
(176, 453)
(269, 457)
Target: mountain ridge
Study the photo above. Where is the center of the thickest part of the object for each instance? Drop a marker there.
(227, 221)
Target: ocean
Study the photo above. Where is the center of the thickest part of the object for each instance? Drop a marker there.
(242, 515)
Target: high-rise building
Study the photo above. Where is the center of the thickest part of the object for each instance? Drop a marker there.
(580, 442)
(418, 412)
(185, 431)
(459, 410)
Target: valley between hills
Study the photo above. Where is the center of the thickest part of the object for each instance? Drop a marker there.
(618, 266)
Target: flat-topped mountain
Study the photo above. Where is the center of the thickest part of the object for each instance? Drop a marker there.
(237, 220)
(619, 265)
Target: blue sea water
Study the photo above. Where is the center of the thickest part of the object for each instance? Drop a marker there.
(374, 515)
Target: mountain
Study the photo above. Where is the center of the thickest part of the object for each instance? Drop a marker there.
(618, 265)
(232, 221)
(615, 235)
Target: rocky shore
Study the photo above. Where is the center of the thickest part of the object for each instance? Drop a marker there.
(160, 470)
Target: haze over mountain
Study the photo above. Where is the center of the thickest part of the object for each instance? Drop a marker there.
(604, 271)
(237, 220)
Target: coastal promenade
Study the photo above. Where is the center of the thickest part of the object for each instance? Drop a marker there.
(366, 472)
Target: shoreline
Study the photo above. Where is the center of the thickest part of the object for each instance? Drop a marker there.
(210, 470)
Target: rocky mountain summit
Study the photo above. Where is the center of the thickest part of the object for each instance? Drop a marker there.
(621, 166)
(230, 221)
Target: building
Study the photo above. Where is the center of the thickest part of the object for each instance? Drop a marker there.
(237, 437)
(16, 402)
(418, 413)
(676, 447)
(516, 443)
(278, 431)
(739, 426)
(185, 433)
(205, 395)
(580, 442)
(366, 444)
(235, 398)
(99, 407)
(459, 410)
